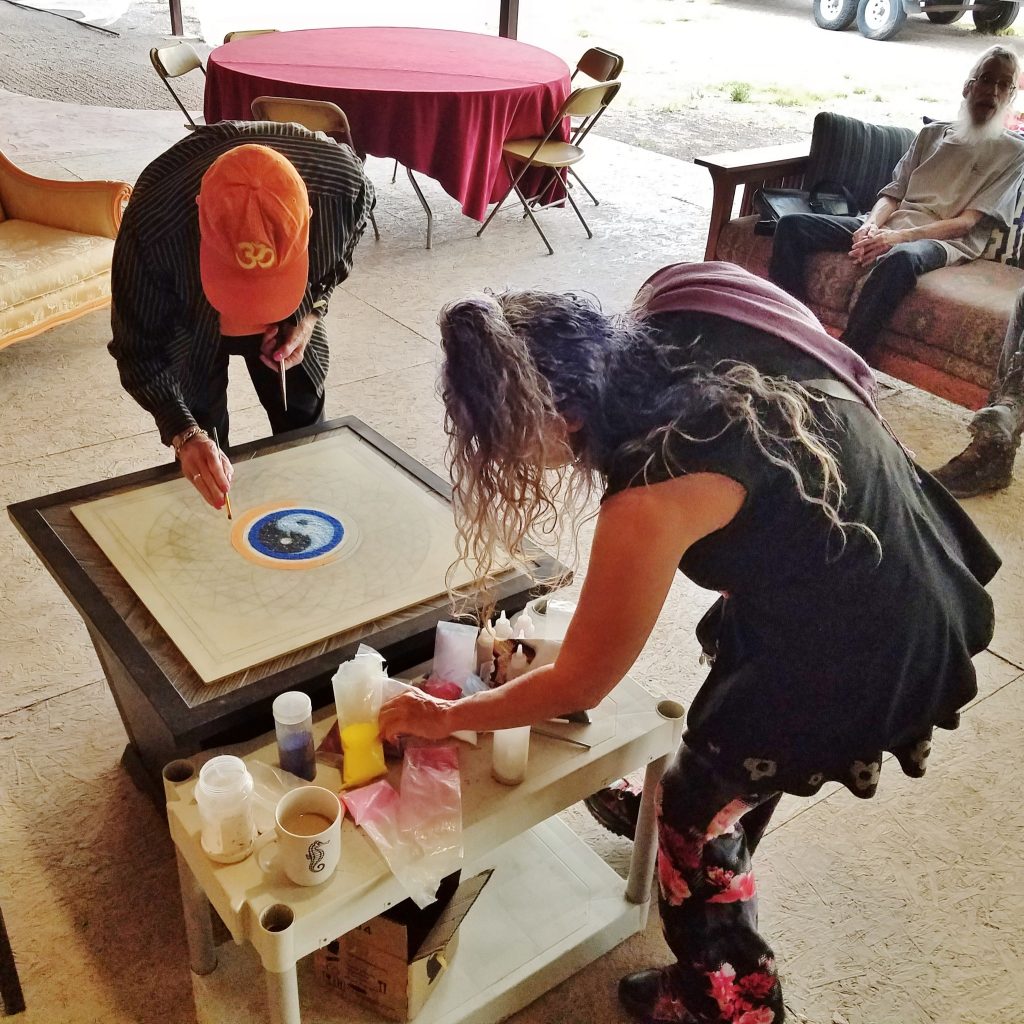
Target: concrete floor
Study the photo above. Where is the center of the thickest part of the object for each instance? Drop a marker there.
(903, 909)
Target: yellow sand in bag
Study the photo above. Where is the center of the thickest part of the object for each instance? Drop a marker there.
(363, 753)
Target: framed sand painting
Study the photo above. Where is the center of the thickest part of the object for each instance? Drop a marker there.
(324, 537)
(339, 537)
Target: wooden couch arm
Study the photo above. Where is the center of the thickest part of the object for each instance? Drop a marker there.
(86, 207)
(778, 166)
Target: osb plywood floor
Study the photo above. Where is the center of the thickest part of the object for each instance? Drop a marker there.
(904, 909)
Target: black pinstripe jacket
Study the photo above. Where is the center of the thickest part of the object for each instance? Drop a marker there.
(165, 332)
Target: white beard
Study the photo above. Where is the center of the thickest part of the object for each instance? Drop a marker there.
(968, 132)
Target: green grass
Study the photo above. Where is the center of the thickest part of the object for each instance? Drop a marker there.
(785, 97)
(860, 91)
(740, 92)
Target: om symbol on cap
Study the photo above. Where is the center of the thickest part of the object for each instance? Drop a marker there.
(255, 254)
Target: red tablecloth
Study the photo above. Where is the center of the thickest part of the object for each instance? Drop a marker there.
(439, 102)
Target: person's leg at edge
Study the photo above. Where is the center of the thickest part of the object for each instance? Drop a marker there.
(893, 277)
(724, 970)
(986, 464)
(799, 235)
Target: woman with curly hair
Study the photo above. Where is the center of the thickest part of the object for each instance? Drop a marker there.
(735, 441)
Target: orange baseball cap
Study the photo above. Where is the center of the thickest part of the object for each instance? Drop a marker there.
(253, 238)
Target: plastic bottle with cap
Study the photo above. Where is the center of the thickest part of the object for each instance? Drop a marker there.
(523, 626)
(293, 723)
(485, 651)
(224, 798)
(517, 664)
(504, 645)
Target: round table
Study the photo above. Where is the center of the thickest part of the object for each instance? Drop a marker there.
(440, 102)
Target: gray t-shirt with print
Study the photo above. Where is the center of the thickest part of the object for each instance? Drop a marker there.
(940, 177)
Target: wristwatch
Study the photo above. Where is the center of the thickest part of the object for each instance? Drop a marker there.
(180, 440)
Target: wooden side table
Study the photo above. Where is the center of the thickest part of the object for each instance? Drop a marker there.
(552, 904)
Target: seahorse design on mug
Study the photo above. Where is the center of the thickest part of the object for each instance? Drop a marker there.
(315, 855)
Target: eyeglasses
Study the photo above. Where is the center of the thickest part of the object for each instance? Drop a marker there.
(1001, 84)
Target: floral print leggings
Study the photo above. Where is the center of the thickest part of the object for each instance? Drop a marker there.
(708, 828)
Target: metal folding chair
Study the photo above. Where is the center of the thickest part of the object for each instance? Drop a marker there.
(173, 62)
(317, 116)
(599, 64)
(602, 66)
(244, 33)
(588, 103)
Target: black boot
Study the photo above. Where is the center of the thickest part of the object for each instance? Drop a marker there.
(617, 807)
(652, 997)
(986, 464)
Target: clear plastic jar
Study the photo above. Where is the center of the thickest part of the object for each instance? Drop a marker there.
(224, 798)
(293, 723)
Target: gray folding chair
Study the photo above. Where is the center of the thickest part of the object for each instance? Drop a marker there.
(173, 62)
(317, 116)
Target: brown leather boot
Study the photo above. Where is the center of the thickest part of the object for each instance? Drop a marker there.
(986, 464)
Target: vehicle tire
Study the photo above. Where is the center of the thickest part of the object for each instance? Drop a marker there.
(944, 17)
(835, 15)
(880, 19)
(994, 19)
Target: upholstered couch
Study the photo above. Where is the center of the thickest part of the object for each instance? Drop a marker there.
(946, 335)
(56, 243)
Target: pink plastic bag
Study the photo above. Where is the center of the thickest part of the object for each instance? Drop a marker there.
(418, 833)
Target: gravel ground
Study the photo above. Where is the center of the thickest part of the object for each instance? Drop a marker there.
(714, 75)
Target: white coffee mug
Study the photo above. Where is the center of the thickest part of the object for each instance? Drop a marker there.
(307, 830)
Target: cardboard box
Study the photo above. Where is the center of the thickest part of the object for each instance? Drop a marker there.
(394, 961)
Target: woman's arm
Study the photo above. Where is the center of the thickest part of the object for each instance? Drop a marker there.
(641, 535)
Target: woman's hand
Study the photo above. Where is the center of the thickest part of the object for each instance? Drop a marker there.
(415, 713)
(208, 468)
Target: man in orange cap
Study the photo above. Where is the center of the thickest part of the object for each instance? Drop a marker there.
(232, 243)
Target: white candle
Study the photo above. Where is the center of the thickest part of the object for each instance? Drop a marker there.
(510, 751)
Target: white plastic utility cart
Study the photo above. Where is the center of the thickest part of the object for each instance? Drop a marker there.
(551, 906)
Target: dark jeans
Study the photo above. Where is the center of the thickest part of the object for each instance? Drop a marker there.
(708, 828)
(305, 399)
(892, 277)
